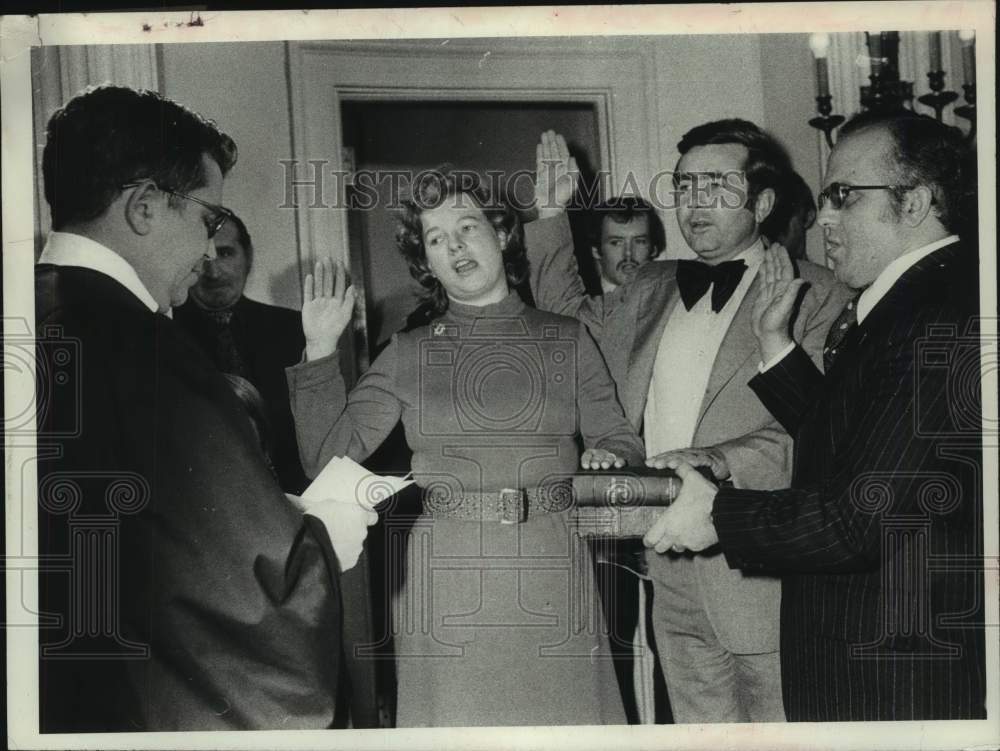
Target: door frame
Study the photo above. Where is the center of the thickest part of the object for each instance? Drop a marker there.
(615, 75)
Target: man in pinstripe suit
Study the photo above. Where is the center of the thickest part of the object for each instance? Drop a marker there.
(880, 536)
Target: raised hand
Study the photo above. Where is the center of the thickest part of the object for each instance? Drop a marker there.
(775, 303)
(556, 175)
(327, 306)
(601, 459)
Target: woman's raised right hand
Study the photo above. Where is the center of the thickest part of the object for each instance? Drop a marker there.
(327, 306)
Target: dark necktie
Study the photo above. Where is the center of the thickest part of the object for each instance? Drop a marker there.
(695, 277)
(846, 322)
(227, 355)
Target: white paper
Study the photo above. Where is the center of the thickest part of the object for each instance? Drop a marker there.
(344, 480)
(343, 496)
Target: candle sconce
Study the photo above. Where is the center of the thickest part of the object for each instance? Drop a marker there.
(968, 110)
(886, 92)
(826, 122)
(938, 98)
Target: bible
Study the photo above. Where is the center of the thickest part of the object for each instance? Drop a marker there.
(623, 502)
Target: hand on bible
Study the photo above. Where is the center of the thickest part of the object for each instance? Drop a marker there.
(772, 311)
(327, 306)
(703, 457)
(687, 523)
(601, 459)
(556, 174)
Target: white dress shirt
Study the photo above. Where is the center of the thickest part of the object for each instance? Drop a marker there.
(878, 289)
(68, 249)
(684, 361)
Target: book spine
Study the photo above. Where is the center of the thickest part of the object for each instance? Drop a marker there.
(625, 491)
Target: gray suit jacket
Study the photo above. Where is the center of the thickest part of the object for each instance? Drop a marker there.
(628, 325)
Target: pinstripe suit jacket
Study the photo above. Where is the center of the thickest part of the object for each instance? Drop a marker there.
(742, 606)
(880, 535)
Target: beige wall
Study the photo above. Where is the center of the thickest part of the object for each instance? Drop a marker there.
(702, 78)
(243, 87)
(789, 91)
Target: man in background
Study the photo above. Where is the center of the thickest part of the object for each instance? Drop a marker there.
(182, 590)
(625, 233)
(248, 339)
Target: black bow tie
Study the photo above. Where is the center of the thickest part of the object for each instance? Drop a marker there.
(695, 277)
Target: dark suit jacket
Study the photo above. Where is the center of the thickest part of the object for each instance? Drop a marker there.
(881, 532)
(182, 591)
(269, 339)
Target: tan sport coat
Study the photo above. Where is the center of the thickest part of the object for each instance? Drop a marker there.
(628, 325)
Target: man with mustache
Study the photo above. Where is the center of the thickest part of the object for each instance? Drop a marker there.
(249, 339)
(879, 533)
(625, 234)
(679, 343)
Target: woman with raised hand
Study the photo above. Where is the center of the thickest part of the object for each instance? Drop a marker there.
(497, 620)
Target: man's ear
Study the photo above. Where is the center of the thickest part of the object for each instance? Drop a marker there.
(596, 252)
(916, 206)
(764, 205)
(142, 206)
(504, 238)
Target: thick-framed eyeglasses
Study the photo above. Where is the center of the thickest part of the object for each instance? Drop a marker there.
(220, 214)
(837, 193)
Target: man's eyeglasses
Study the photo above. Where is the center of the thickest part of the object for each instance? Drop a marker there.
(220, 214)
(837, 193)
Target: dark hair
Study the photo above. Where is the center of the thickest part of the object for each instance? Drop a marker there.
(112, 135)
(767, 163)
(623, 210)
(243, 238)
(430, 190)
(928, 153)
(792, 198)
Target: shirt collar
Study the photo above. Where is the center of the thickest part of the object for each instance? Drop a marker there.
(752, 256)
(69, 249)
(890, 275)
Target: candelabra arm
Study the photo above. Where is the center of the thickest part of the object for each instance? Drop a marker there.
(826, 121)
(968, 111)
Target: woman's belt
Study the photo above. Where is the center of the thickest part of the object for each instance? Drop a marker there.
(507, 506)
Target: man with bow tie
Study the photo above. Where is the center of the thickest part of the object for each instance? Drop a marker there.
(679, 342)
(879, 533)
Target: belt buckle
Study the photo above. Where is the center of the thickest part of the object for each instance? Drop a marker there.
(513, 506)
